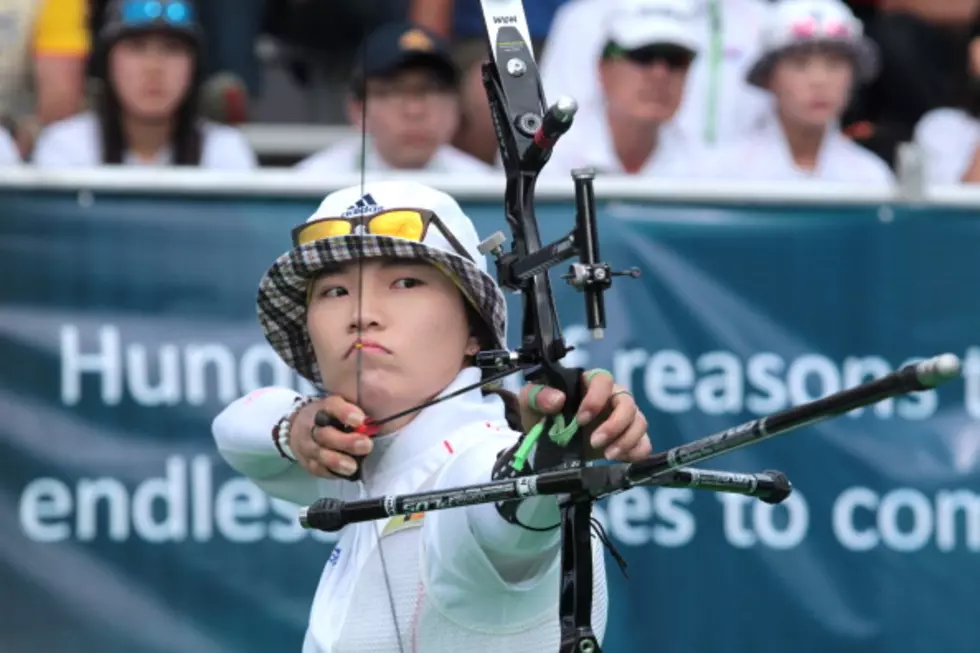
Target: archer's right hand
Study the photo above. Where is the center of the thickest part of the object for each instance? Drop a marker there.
(326, 451)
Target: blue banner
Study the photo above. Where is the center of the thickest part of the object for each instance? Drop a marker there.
(128, 322)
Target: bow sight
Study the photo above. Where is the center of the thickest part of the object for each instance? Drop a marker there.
(527, 131)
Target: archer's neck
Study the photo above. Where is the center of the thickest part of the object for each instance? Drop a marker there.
(633, 142)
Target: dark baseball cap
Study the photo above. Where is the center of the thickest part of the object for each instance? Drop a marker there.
(395, 46)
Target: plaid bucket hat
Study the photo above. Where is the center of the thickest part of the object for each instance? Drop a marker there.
(450, 243)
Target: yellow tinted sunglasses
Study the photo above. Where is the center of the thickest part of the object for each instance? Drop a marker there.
(410, 224)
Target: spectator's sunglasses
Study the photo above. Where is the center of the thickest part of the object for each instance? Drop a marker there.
(676, 57)
(410, 224)
(178, 13)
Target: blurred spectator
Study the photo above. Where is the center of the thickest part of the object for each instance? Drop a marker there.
(43, 49)
(462, 22)
(814, 53)
(404, 95)
(147, 112)
(718, 105)
(949, 137)
(8, 150)
(230, 65)
(231, 28)
(316, 43)
(921, 44)
(648, 49)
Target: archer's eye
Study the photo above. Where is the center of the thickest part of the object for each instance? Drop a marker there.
(332, 291)
(408, 282)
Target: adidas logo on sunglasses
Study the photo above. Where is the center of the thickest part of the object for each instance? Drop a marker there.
(364, 206)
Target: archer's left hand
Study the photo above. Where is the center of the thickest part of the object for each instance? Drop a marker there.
(616, 428)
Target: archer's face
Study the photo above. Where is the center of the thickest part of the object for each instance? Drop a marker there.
(409, 116)
(152, 74)
(414, 329)
(812, 86)
(645, 86)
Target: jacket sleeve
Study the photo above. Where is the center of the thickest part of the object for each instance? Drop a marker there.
(473, 552)
(243, 434)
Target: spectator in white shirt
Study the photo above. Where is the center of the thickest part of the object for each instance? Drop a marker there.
(8, 149)
(405, 100)
(147, 113)
(814, 52)
(949, 137)
(648, 49)
(718, 104)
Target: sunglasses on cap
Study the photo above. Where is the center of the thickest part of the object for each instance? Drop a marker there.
(135, 13)
(410, 224)
(675, 57)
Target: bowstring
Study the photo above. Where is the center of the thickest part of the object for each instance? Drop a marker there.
(360, 328)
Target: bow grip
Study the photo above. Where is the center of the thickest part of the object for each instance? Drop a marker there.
(562, 443)
(323, 418)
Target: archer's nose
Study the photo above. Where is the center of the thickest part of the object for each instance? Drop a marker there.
(366, 313)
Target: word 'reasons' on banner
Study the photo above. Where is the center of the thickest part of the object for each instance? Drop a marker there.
(118, 361)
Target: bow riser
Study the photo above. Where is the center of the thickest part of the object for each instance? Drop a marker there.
(526, 131)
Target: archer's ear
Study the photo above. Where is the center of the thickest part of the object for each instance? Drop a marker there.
(472, 346)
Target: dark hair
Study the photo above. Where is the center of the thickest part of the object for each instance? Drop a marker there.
(186, 139)
(446, 78)
(484, 335)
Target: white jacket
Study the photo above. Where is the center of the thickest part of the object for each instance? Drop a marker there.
(588, 144)
(765, 156)
(345, 157)
(949, 139)
(75, 142)
(461, 579)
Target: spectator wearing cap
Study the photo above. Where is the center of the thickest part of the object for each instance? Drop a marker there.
(649, 47)
(44, 45)
(718, 104)
(949, 137)
(462, 22)
(405, 99)
(814, 53)
(147, 112)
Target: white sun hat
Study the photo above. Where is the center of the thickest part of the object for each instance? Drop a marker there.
(633, 24)
(798, 23)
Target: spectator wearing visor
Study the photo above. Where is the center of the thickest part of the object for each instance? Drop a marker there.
(404, 96)
(147, 113)
(949, 137)
(649, 47)
(718, 107)
(814, 54)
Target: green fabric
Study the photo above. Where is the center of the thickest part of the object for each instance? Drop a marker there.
(520, 457)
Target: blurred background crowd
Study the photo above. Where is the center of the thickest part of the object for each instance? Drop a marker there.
(719, 89)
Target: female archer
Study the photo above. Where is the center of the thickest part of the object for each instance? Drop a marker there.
(386, 321)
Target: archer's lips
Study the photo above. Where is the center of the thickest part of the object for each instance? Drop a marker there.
(368, 347)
